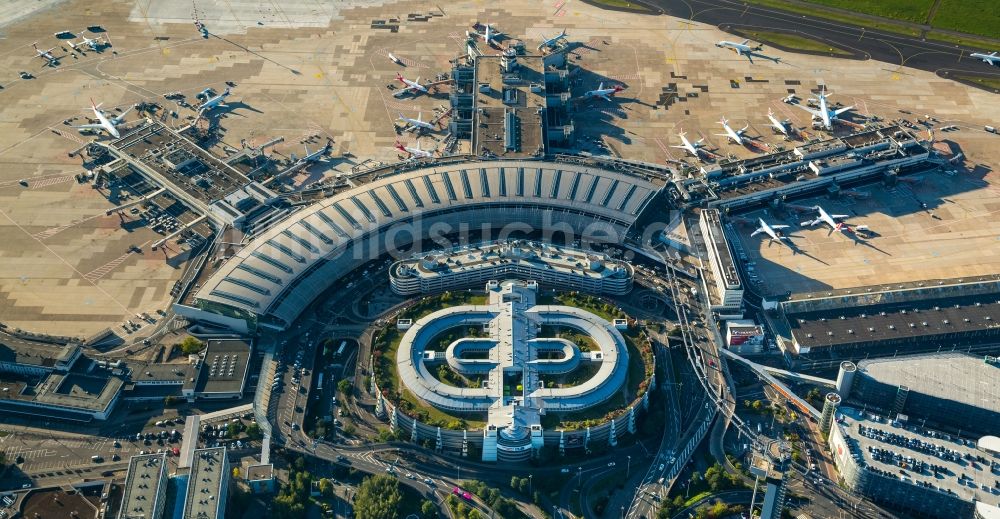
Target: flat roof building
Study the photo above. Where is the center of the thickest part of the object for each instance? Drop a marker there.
(550, 265)
(953, 390)
(208, 485)
(145, 487)
(913, 469)
(725, 290)
(223, 373)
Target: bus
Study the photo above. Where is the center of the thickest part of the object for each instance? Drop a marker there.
(340, 350)
(319, 382)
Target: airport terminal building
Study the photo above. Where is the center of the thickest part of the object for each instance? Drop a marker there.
(273, 277)
(551, 266)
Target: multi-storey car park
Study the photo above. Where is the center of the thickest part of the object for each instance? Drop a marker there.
(909, 467)
(551, 266)
(512, 358)
(952, 390)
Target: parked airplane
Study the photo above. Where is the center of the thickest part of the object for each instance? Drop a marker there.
(309, 158)
(213, 102)
(773, 231)
(414, 152)
(104, 124)
(394, 59)
(991, 58)
(416, 124)
(46, 54)
(94, 44)
(691, 147)
(551, 42)
(411, 86)
(824, 115)
(780, 126)
(832, 220)
(489, 35)
(603, 92)
(734, 135)
(741, 49)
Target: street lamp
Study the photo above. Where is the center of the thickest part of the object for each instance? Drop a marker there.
(530, 482)
(628, 466)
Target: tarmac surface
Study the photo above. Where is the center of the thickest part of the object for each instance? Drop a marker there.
(895, 49)
(308, 72)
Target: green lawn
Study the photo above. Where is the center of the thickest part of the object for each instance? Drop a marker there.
(915, 11)
(796, 42)
(821, 12)
(620, 3)
(980, 17)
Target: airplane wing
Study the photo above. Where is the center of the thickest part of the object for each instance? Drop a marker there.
(806, 108)
(121, 117)
(679, 147)
(97, 126)
(605, 97)
(779, 226)
(842, 110)
(403, 91)
(758, 231)
(749, 56)
(839, 216)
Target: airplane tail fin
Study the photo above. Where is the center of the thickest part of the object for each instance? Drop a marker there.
(563, 34)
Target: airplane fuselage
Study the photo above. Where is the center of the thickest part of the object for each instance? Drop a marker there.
(777, 125)
(992, 58)
(105, 123)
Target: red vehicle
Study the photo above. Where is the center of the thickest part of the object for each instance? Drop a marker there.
(462, 493)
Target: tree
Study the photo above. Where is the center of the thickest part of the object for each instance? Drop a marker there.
(254, 432)
(233, 429)
(428, 510)
(236, 473)
(300, 464)
(344, 386)
(325, 487)
(757, 404)
(474, 514)
(378, 497)
(191, 345)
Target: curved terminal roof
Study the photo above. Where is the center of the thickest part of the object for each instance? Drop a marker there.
(989, 444)
(262, 277)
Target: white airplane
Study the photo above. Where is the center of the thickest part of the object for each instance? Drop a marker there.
(214, 102)
(992, 58)
(830, 219)
(411, 86)
(778, 125)
(603, 92)
(309, 158)
(416, 124)
(394, 59)
(46, 54)
(414, 152)
(741, 49)
(551, 42)
(734, 135)
(105, 124)
(489, 36)
(691, 147)
(771, 230)
(94, 44)
(824, 114)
